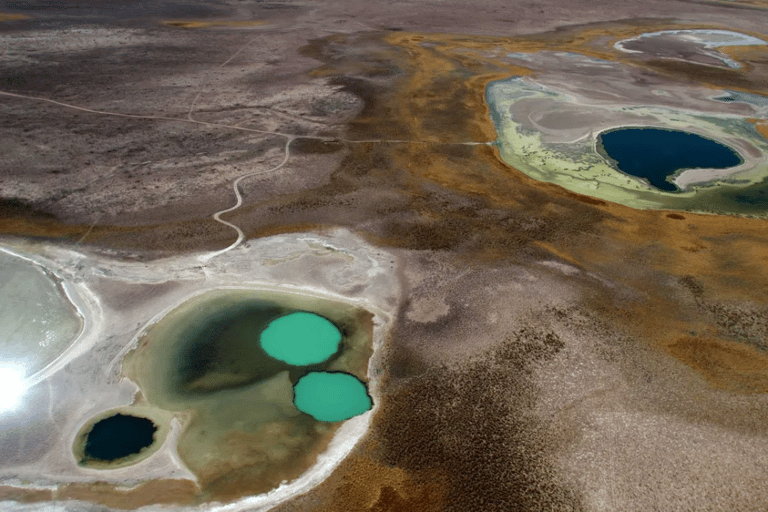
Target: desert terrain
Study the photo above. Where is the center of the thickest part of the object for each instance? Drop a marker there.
(546, 331)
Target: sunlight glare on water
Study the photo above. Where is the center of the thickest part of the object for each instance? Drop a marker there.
(11, 388)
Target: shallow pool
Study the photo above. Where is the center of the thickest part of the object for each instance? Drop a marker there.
(204, 362)
(37, 320)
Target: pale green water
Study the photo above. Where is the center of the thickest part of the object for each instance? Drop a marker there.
(204, 361)
(37, 320)
(301, 339)
(582, 170)
(331, 396)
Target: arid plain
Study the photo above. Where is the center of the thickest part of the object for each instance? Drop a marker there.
(535, 346)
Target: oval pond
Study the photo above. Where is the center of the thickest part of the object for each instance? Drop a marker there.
(119, 436)
(331, 396)
(301, 339)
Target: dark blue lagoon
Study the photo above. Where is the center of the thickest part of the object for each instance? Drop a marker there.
(656, 154)
(119, 436)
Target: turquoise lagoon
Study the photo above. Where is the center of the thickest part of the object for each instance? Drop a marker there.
(330, 396)
(301, 339)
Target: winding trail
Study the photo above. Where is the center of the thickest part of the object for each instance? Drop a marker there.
(239, 202)
(290, 137)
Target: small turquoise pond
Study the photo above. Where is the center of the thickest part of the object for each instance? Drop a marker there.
(331, 396)
(657, 154)
(301, 339)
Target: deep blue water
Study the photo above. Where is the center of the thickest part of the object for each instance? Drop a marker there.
(119, 436)
(656, 154)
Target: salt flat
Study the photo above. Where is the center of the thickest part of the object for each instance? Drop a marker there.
(548, 333)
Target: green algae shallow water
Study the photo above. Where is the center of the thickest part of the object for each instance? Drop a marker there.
(204, 363)
(578, 167)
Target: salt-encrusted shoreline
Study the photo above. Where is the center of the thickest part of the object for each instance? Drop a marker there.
(86, 379)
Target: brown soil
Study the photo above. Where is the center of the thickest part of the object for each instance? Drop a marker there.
(464, 437)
